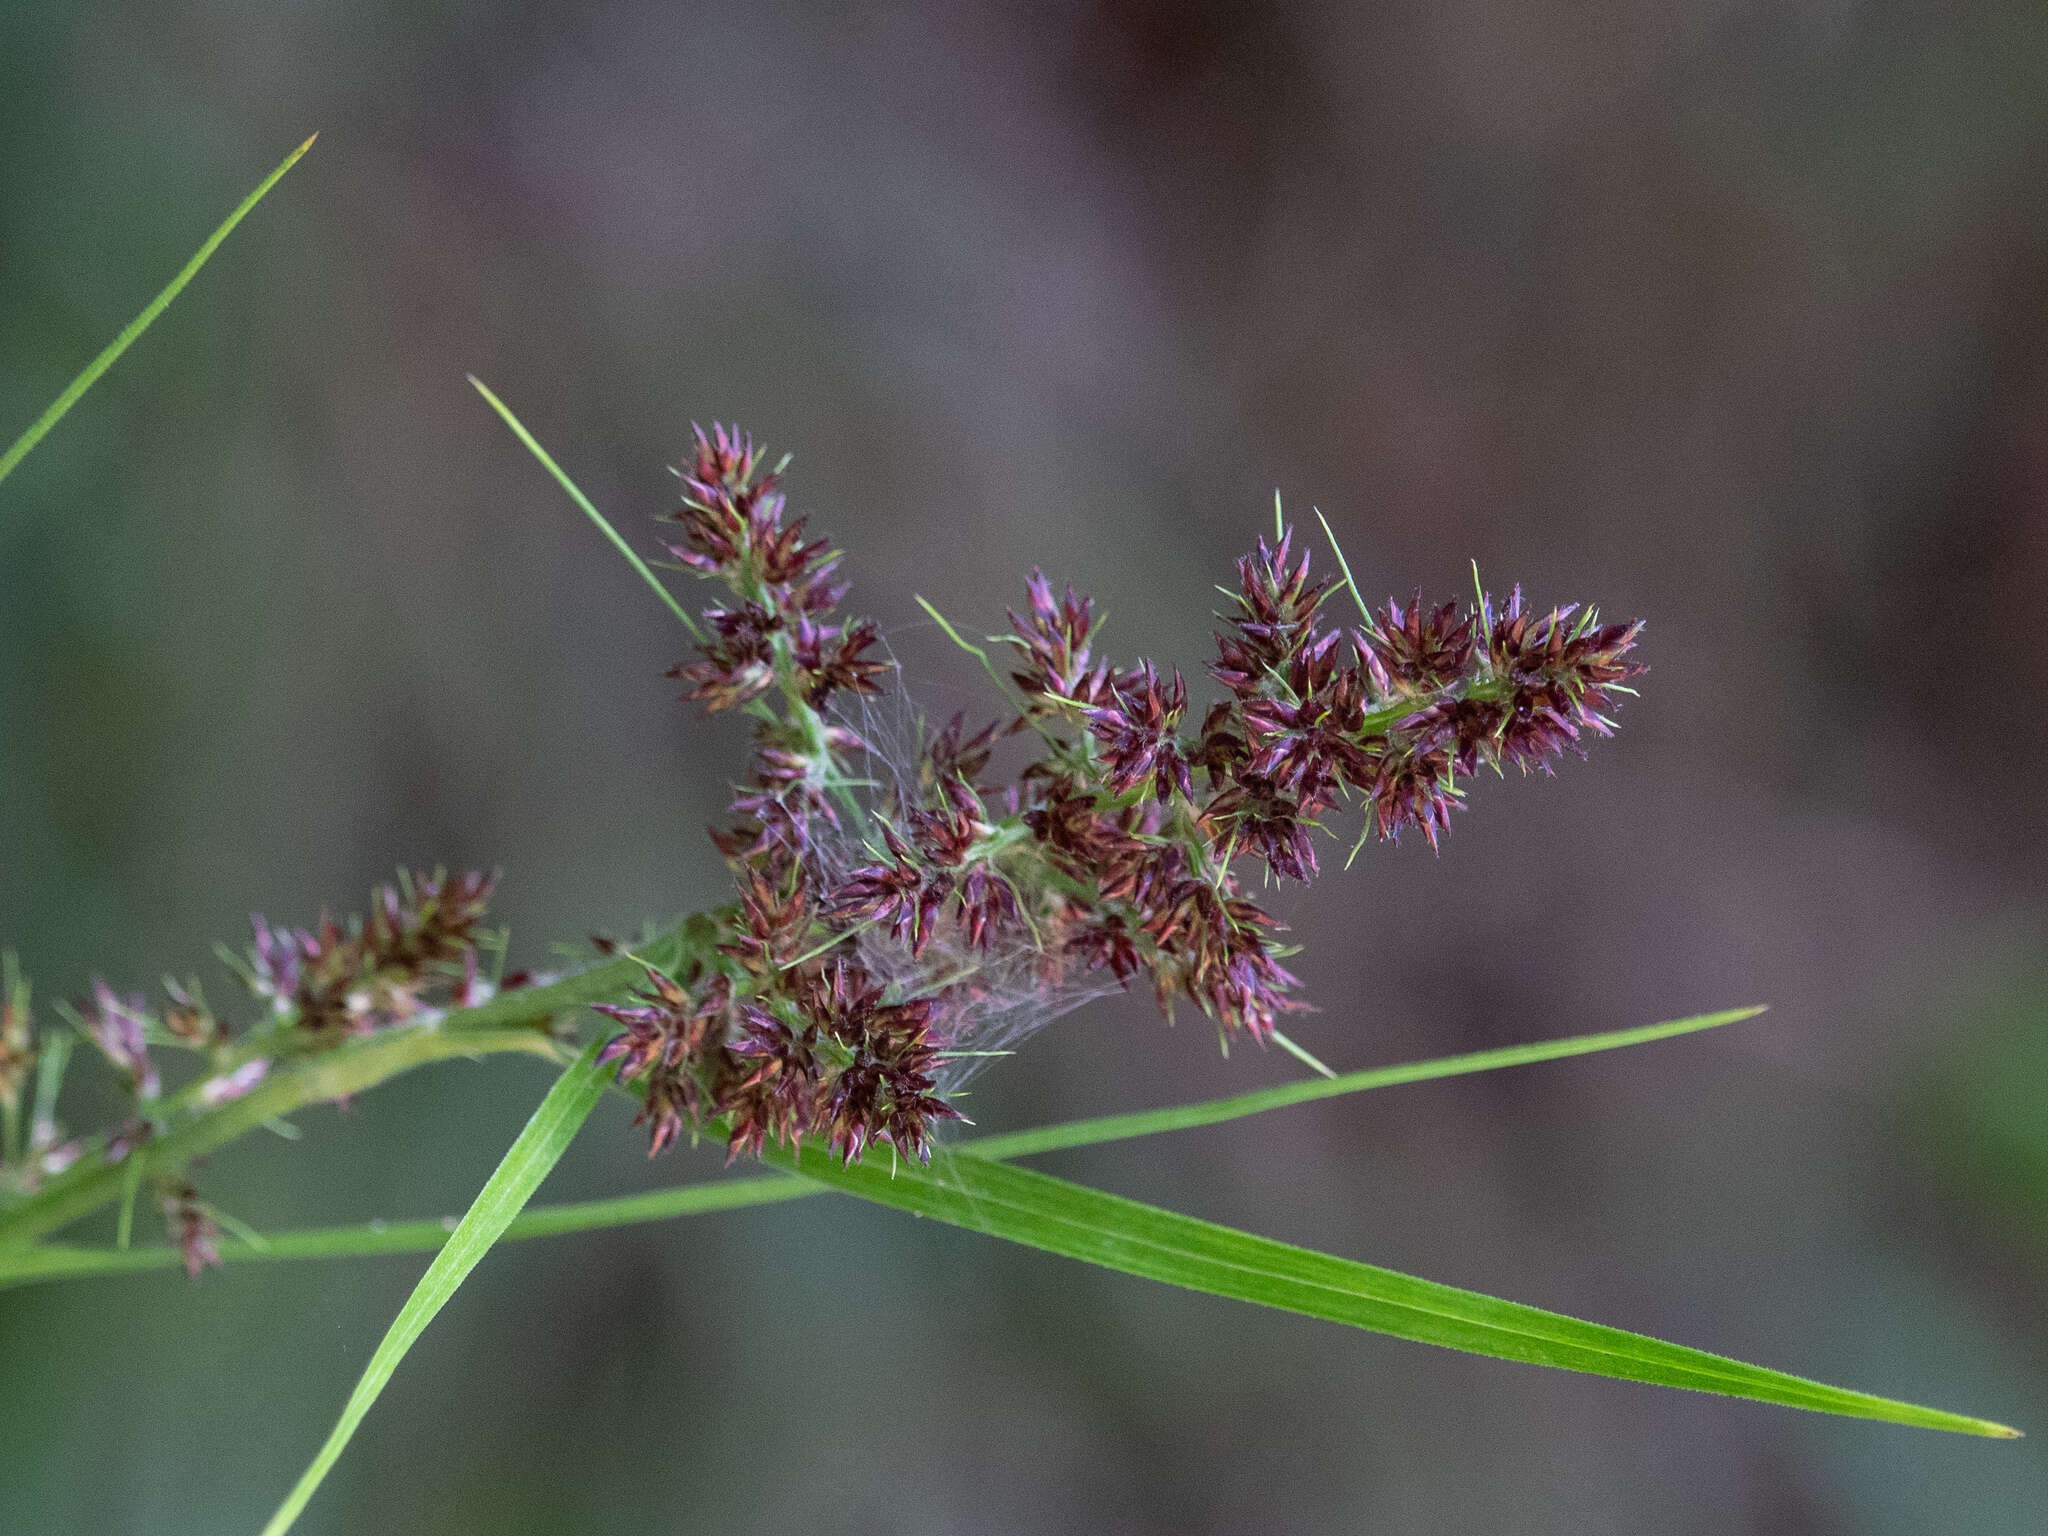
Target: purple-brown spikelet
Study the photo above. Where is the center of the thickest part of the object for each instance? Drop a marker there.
(189, 1020)
(899, 912)
(191, 1226)
(1053, 645)
(1276, 618)
(1139, 729)
(116, 1025)
(901, 892)
(1419, 650)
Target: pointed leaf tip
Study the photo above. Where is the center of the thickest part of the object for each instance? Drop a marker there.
(1099, 1228)
(58, 408)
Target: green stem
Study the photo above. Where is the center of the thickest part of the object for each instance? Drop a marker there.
(63, 1261)
(1378, 722)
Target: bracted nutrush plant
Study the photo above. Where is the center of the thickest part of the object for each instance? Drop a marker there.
(903, 914)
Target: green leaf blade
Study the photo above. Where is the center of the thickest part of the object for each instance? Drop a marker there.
(1181, 1117)
(110, 354)
(1126, 1235)
(585, 504)
(536, 1151)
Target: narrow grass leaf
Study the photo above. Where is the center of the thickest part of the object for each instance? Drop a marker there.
(40, 428)
(54, 1261)
(131, 1186)
(1181, 1117)
(589, 508)
(56, 1053)
(1099, 1228)
(539, 1146)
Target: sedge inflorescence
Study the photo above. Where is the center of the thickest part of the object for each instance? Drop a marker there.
(902, 909)
(905, 909)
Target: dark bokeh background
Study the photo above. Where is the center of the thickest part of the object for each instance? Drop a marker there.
(1728, 315)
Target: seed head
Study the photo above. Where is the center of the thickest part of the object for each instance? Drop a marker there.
(897, 898)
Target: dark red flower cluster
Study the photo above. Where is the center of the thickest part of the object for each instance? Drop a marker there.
(1303, 728)
(780, 1046)
(784, 1034)
(776, 631)
(888, 919)
(937, 871)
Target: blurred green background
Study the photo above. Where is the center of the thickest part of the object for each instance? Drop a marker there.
(1727, 315)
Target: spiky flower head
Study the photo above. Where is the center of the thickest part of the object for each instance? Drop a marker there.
(902, 913)
(1053, 644)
